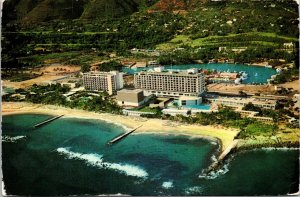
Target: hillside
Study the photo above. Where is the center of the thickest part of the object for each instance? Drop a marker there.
(113, 8)
(28, 12)
(173, 5)
(34, 27)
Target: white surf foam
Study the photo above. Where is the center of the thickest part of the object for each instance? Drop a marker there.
(196, 190)
(214, 158)
(12, 139)
(3, 190)
(167, 184)
(279, 148)
(97, 161)
(215, 174)
(118, 194)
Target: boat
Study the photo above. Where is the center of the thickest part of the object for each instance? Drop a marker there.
(244, 76)
(238, 81)
(268, 66)
(278, 70)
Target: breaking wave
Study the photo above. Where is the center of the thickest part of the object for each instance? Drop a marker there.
(97, 161)
(118, 194)
(196, 190)
(280, 148)
(3, 189)
(217, 173)
(167, 184)
(214, 158)
(12, 139)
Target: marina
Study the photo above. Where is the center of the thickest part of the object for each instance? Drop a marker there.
(265, 73)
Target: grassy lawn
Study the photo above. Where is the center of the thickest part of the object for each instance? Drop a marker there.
(64, 55)
(60, 44)
(70, 57)
(259, 128)
(255, 38)
(282, 136)
(181, 38)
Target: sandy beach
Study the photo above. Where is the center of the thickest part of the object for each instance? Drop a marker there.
(225, 135)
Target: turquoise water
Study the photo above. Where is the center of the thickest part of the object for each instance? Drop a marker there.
(200, 106)
(70, 157)
(256, 74)
(7, 90)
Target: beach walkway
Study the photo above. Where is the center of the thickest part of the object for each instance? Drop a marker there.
(228, 149)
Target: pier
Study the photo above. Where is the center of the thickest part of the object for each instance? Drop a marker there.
(228, 149)
(47, 121)
(116, 139)
(215, 165)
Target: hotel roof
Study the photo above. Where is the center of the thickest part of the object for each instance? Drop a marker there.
(182, 73)
(130, 90)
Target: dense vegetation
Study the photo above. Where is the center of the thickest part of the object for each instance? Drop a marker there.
(101, 102)
(287, 75)
(18, 75)
(43, 27)
(110, 66)
(29, 12)
(53, 95)
(227, 117)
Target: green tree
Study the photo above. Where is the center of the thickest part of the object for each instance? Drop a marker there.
(85, 68)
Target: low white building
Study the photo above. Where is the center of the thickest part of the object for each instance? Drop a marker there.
(136, 113)
(174, 112)
(153, 63)
(240, 102)
(69, 84)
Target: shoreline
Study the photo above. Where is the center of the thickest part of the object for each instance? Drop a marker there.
(223, 136)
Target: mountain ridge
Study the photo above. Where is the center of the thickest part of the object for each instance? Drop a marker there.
(28, 12)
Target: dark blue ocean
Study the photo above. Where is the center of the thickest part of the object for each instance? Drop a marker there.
(71, 157)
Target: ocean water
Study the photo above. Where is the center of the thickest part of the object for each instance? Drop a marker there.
(71, 157)
(256, 74)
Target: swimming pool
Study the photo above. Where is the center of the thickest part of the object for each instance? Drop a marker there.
(202, 106)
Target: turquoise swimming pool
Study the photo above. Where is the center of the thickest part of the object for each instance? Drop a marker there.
(174, 104)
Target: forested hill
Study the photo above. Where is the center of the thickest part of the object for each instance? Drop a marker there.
(197, 16)
(35, 11)
(45, 26)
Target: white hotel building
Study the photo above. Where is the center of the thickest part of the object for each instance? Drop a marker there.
(103, 81)
(171, 84)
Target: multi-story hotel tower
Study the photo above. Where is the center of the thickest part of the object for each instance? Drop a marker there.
(172, 84)
(103, 81)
